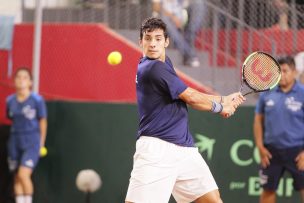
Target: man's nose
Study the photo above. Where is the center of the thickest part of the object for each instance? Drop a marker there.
(153, 43)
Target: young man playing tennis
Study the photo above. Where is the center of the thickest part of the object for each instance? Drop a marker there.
(279, 133)
(166, 160)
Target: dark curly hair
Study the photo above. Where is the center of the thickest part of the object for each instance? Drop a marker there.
(151, 24)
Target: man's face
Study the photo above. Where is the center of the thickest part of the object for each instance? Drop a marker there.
(153, 44)
(288, 75)
(22, 80)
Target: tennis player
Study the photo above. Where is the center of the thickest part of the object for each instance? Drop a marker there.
(279, 133)
(166, 160)
(28, 132)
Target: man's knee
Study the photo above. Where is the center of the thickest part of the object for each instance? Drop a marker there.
(23, 175)
(268, 196)
(268, 193)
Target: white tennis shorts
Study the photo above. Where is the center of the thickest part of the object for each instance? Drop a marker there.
(161, 168)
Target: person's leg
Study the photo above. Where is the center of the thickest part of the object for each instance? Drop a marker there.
(268, 196)
(24, 180)
(178, 38)
(292, 168)
(13, 162)
(210, 197)
(18, 190)
(23, 186)
(271, 175)
(28, 198)
(196, 15)
(195, 182)
(29, 160)
(153, 174)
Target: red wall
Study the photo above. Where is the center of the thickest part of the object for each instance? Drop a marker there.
(74, 65)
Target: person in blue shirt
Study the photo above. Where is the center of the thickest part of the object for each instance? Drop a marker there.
(166, 160)
(183, 19)
(28, 114)
(279, 132)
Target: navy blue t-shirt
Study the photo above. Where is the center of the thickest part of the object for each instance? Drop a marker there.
(162, 114)
(25, 115)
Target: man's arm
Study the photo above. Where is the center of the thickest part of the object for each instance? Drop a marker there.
(157, 9)
(300, 161)
(258, 130)
(43, 130)
(258, 137)
(204, 102)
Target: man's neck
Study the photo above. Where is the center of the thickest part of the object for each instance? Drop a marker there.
(23, 94)
(288, 88)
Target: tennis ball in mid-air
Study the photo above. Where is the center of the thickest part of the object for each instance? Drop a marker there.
(114, 58)
(43, 151)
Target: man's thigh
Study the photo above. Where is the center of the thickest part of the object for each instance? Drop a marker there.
(154, 172)
(194, 178)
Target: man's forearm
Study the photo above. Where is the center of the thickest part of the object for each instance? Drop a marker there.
(258, 131)
(43, 130)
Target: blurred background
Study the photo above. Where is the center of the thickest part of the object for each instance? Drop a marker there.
(92, 111)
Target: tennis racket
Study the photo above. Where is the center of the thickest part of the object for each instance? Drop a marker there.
(260, 72)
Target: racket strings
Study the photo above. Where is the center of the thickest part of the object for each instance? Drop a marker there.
(261, 71)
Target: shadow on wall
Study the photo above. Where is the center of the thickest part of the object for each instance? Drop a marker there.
(6, 189)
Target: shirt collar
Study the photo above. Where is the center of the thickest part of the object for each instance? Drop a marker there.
(167, 60)
(295, 87)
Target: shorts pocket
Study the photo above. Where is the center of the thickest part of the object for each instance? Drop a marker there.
(149, 151)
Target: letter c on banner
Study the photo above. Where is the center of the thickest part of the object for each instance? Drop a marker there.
(234, 152)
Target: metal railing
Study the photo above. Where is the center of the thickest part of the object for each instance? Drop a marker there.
(270, 15)
(236, 18)
(118, 14)
(230, 29)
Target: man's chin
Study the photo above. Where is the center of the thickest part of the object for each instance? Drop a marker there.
(21, 88)
(153, 56)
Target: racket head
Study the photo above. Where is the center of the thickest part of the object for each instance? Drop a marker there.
(260, 72)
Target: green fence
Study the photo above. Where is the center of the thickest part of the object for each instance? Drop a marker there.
(102, 137)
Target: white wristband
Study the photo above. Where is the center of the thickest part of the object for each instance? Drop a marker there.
(216, 107)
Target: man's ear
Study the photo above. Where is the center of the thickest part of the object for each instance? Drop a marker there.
(140, 43)
(167, 42)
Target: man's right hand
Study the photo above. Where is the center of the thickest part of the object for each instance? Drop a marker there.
(265, 156)
(228, 109)
(230, 103)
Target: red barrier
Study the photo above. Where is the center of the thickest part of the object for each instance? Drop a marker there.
(74, 63)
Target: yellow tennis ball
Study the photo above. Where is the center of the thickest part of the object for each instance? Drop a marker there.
(114, 58)
(43, 151)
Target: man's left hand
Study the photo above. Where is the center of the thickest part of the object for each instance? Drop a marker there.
(300, 161)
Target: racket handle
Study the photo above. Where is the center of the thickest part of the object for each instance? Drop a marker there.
(247, 93)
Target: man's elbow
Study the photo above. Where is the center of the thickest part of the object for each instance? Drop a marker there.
(193, 102)
(189, 98)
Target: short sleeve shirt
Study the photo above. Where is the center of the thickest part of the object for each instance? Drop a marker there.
(283, 116)
(161, 113)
